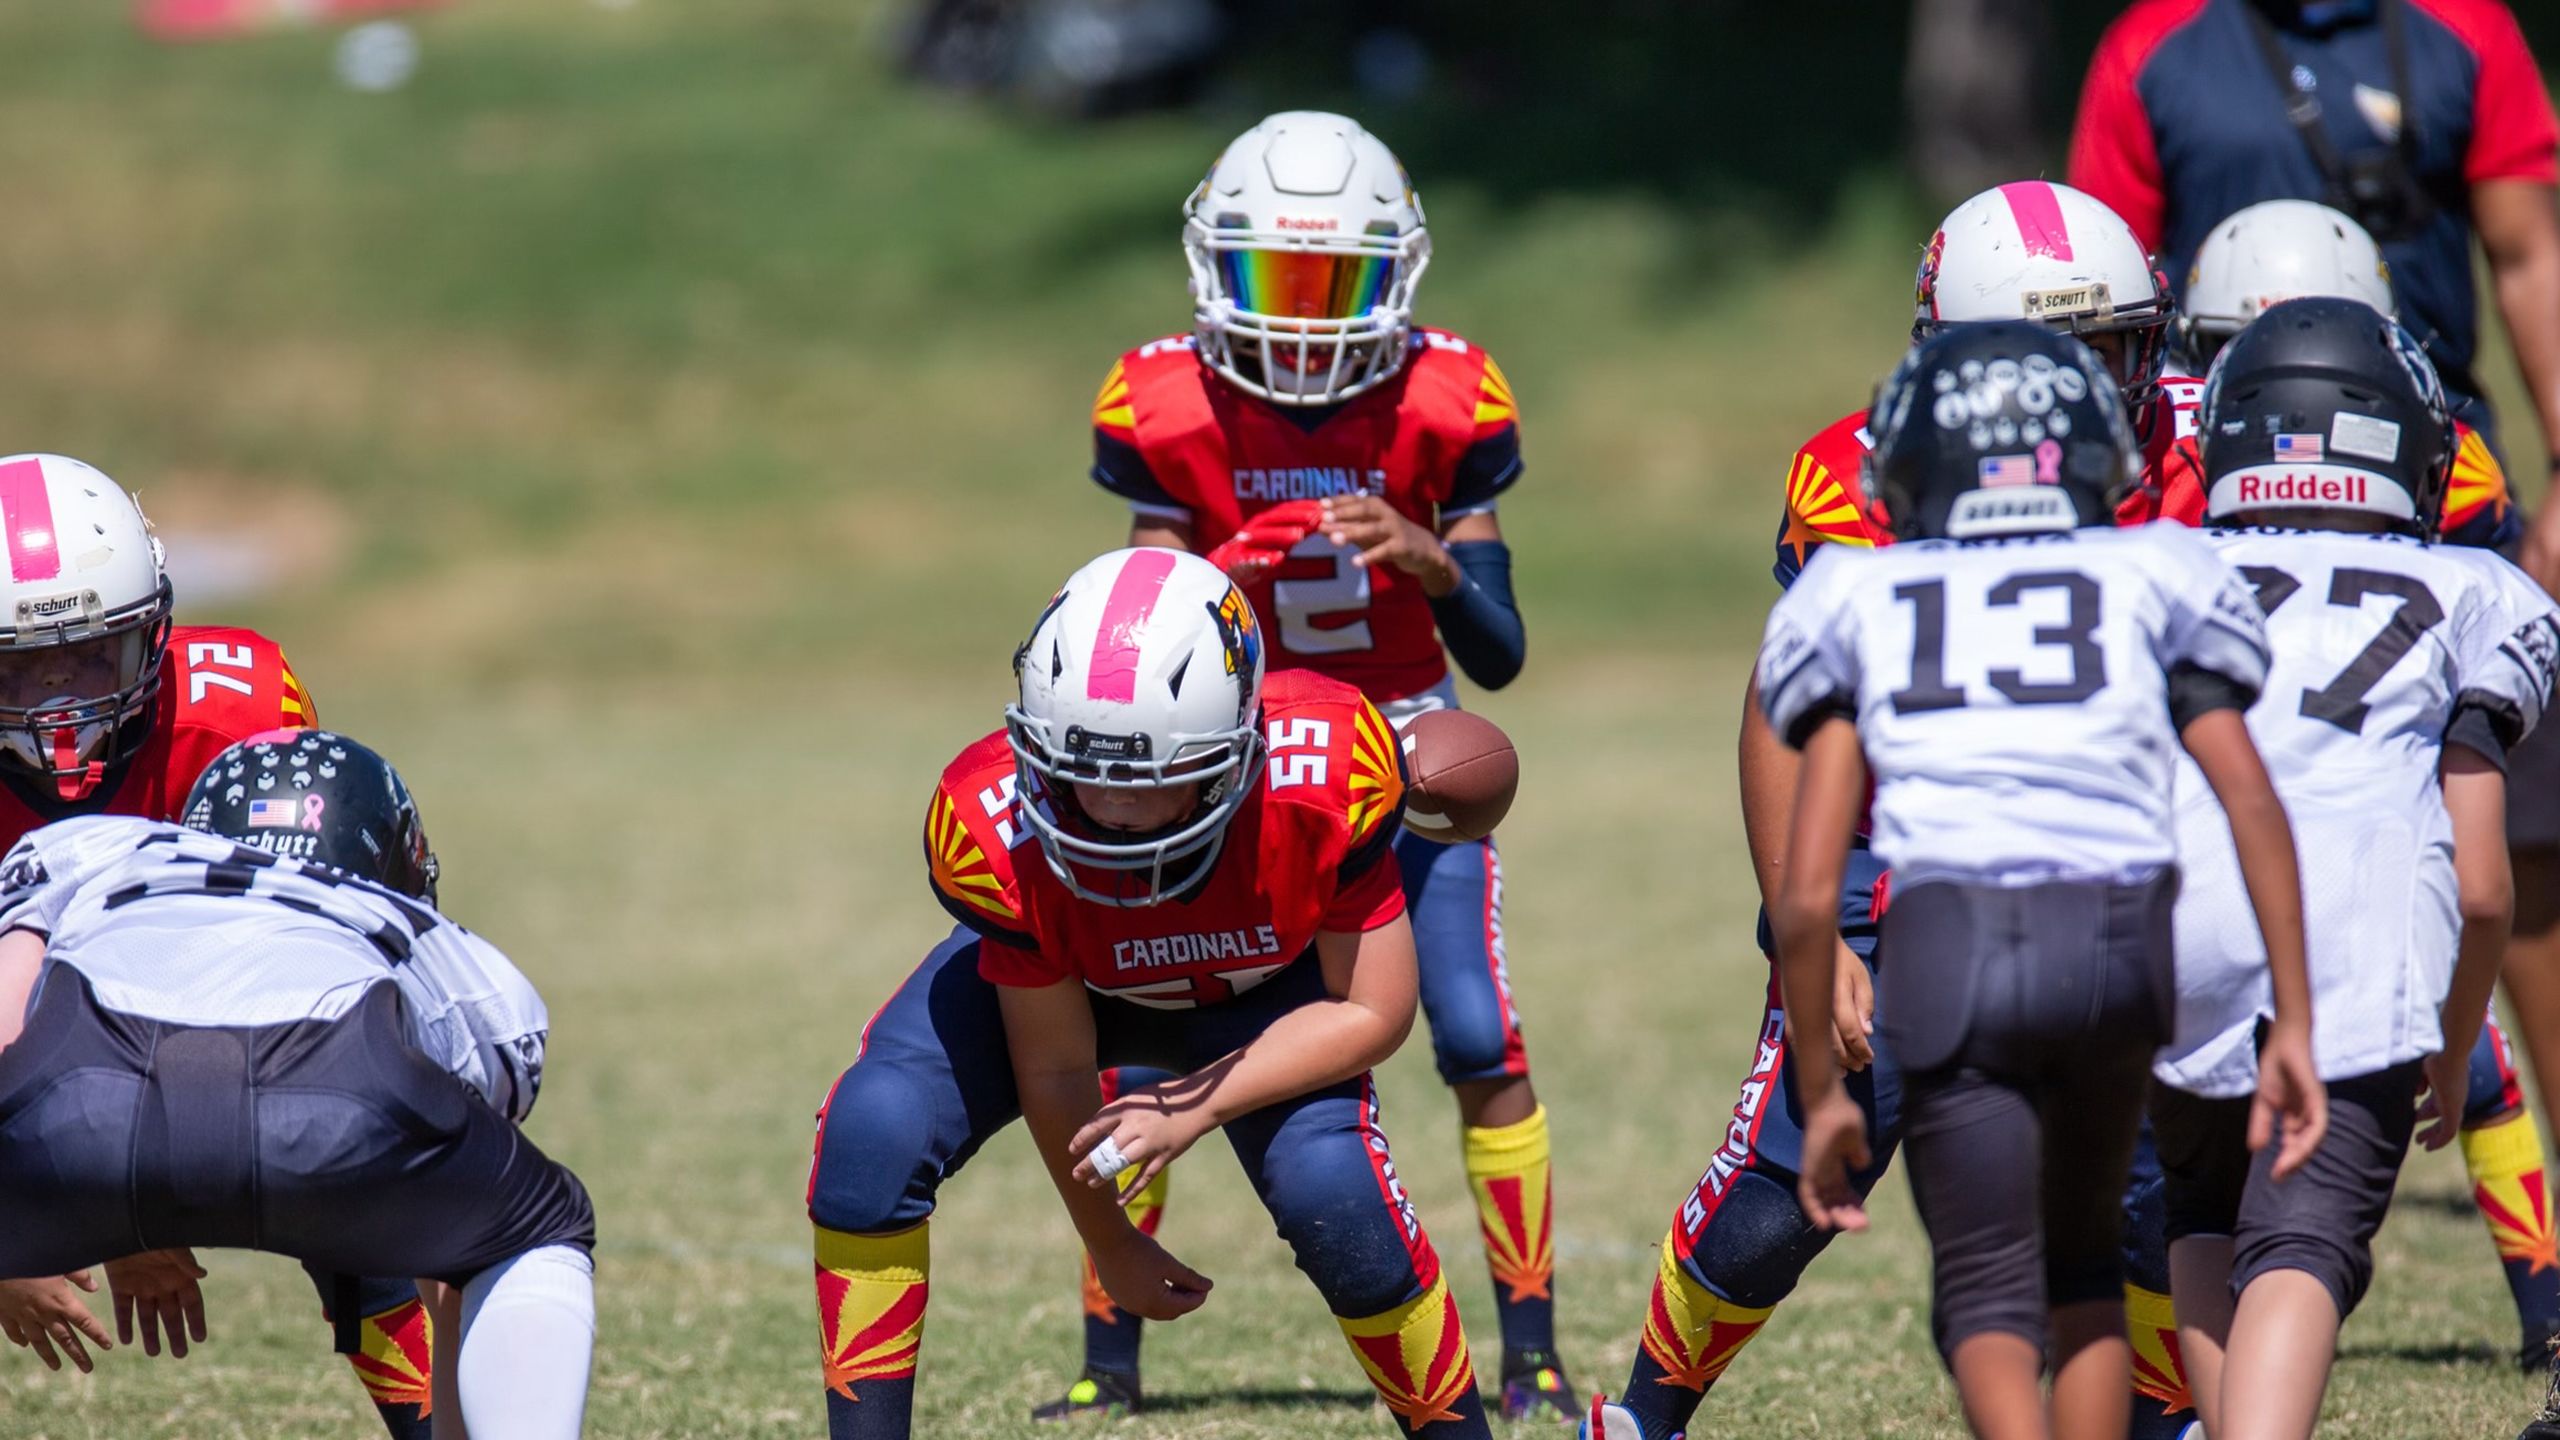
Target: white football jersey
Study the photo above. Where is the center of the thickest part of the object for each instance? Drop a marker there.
(2380, 642)
(2012, 695)
(187, 928)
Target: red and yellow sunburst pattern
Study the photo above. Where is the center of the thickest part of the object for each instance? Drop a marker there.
(2478, 484)
(1507, 1168)
(1377, 776)
(959, 864)
(2509, 1186)
(1146, 1211)
(2159, 1366)
(394, 1356)
(1690, 1331)
(1494, 405)
(871, 1299)
(1416, 1354)
(299, 712)
(1112, 408)
(1822, 508)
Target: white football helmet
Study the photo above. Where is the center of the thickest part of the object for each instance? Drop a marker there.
(1145, 671)
(2275, 251)
(87, 623)
(2034, 250)
(1305, 242)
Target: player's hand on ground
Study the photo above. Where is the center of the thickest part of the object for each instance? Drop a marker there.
(158, 1288)
(1143, 1278)
(1144, 1130)
(2289, 1089)
(2448, 1083)
(47, 1312)
(1383, 536)
(1835, 1143)
(1265, 540)
(1853, 1012)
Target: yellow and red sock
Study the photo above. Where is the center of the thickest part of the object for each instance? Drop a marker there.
(1416, 1355)
(2508, 1184)
(395, 1358)
(1690, 1335)
(1111, 1334)
(2159, 1364)
(871, 1302)
(1510, 1175)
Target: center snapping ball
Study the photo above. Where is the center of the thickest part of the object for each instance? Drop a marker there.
(1462, 773)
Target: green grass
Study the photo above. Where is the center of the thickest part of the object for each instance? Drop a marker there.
(660, 428)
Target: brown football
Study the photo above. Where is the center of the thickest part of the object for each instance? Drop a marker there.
(1463, 773)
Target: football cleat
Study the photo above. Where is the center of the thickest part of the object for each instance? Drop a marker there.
(1611, 1422)
(1097, 1392)
(1533, 1381)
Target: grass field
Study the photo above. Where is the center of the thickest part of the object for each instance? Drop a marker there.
(654, 429)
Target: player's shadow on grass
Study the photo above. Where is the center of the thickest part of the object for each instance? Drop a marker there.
(1261, 1398)
(2449, 1352)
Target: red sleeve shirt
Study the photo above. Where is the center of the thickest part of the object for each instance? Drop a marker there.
(2513, 135)
(2114, 155)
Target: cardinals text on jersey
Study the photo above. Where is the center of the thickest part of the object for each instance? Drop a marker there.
(1309, 851)
(1439, 440)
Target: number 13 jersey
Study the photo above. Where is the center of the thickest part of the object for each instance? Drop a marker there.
(1440, 440)
(2014, 697)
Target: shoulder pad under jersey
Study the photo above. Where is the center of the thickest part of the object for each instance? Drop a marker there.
(971, 827)
(1824, 504)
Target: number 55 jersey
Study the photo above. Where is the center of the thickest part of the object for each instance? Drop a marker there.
(1311, 850)
(2386, 651)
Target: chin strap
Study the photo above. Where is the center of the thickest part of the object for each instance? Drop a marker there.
(73, 785)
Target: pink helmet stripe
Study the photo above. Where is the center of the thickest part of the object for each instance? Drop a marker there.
(1114, 676)
(26, 512)
(2038, 211)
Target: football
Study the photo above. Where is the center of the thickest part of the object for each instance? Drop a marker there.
(1462, 774)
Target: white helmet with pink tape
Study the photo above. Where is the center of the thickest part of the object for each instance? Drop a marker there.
(2034, 250)
(86, 622)
(1144, 673)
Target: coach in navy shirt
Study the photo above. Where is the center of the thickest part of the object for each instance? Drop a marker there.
(2431, 125)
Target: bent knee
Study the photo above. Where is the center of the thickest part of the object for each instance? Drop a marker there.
(873, 1170)
(1755, 1243)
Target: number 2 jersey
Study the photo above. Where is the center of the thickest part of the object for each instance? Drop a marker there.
(179, 926)
(2386, 650)
(1440, 440)
(2015, 697)
(1310, 850)
(218, 686)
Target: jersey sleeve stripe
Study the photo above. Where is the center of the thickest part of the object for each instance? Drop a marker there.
(1494, 404)
(1112, 406)
(1377, 772)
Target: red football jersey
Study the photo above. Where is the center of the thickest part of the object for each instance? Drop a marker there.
(1310, 850)
(218, 686)
(1440, 439)
(1824, 502)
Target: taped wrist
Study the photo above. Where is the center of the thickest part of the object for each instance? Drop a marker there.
(1480, 621)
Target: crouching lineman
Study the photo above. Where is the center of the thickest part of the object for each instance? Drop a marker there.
(2404, 672)
(2021, 678)
(257, 1033)
(1343, 465)
(1161, 860)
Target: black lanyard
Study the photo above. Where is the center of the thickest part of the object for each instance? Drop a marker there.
(2303, 108)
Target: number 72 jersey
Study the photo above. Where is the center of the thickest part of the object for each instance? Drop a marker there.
(2014, 697)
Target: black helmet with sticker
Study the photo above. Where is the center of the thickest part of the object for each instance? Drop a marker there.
(1999, 428)
(2325, 403)
(318, 796)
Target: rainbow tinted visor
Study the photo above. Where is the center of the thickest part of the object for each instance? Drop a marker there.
(1304, 284)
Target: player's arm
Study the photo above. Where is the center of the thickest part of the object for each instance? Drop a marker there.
(1049, 1032)
(2475, 796)
(1831, 788)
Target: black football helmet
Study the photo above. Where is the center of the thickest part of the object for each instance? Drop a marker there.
(2324, 403)
(1999, 428)
(318, 796)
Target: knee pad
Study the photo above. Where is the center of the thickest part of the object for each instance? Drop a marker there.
(871, 1171)
(1334, 1196)
(1755, 1243)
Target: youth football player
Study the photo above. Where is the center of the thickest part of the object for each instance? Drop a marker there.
(258, 1033)
(2404, 671)
(1161, 860)
(1343, 465)
(2019, 674)
(107, 707)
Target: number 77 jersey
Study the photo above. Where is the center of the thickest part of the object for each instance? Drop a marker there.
(218, 685)
(2015, 698)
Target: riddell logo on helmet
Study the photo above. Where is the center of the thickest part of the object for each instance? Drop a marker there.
(1307, 222)
(2302, 489)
